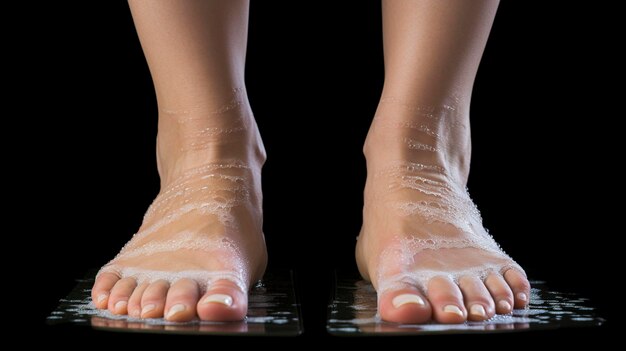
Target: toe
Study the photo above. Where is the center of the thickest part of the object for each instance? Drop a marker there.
(181, 301)
(478, 301)
(102, 289)
(118, 301)
(153, 299)
(447, 300)
(134, 303)
(223, 301)
(406, 305)
(500, 292)
(520, 287)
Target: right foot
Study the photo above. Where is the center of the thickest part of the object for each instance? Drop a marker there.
(200, 246)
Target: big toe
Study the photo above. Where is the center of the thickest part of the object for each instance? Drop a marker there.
(405, 305)
(224, 301)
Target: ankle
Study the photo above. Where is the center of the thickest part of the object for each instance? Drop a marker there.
(433, 136)
(188, 139)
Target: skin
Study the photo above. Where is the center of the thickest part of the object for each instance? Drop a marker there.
(196, 53)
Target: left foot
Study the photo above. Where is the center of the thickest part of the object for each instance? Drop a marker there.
(422, 243)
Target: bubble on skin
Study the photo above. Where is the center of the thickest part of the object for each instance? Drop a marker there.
(416, 145)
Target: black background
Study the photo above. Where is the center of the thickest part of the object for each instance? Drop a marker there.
(314, 75)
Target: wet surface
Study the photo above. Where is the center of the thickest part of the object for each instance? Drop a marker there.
(273, 310)
(352, 312)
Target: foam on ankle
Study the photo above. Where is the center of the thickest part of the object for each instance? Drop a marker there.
(185, 115)
(201, 127)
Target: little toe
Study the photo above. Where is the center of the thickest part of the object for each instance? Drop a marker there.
(102, 289)
(406, 305)
(134, 303)
(182, 298)
(153, 299)
(118, 300)
(520, 286)
(478, 301)
(223, 301)
(447, 301)
(500, 292)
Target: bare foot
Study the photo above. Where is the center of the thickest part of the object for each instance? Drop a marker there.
(201, 245)
(422, 243)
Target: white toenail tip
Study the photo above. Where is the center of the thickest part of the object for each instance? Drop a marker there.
(219, 298)
(102, 297)
(403, 299)
(504, 305)
(453, 309)
(147, 309)
(478, 310)
(120, 304)
(522, 296)
(175, 309)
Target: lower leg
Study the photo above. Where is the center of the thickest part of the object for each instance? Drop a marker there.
(422, 243)
(200, 245)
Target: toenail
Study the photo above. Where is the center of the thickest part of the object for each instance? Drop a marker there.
(407, 298)
(219, 298)
(147, 308)
(522, 296)
(478, 310)
(453, 309)
(120, 305)
(504, 305)
(175, 309)
(101, 298)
